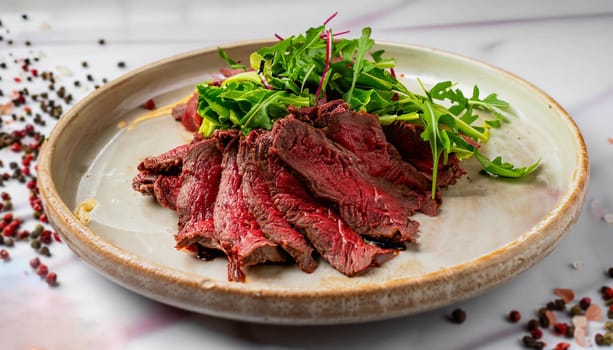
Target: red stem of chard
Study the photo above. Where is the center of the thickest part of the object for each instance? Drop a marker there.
(330, 18)
(279, 37)
(326, 65)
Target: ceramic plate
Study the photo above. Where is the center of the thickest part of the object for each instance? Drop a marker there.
(488, 229)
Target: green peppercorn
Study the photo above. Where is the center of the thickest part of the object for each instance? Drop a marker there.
(608, 326)
(576, 310)
(608, 338)
(35, 244)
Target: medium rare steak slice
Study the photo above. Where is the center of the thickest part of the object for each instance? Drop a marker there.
(361, 133)
(257, 197)
(196, 198)
(236, 229)
(169, 162)
(406, 138)
(335, 241)
(191, 120)
(144, 181)
(166, 190)
(332, 173)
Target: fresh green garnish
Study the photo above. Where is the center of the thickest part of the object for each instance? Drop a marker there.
(303, 69)
(497, 167)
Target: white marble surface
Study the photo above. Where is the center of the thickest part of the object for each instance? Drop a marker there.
(563, 47)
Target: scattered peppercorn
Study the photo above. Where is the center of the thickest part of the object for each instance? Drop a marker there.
(585, 302)
(559, 305)
(4, 254)
(514, 316)
(544, 321)
(149, 104)
(562, 346)
(51, 279)
(44, 250)
(577, 310)
(560, 328)
(101, 41)
(42, 270)
(610, 272)
(24, 17)
(536, 333)
(532, 324)
(34, 262)
(121, 64)
(458, 315)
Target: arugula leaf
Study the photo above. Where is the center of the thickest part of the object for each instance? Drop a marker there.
(432, 134)
(364, 45)
(497, 167)
(234, 65)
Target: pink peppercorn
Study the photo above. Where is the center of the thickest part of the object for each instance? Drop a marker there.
(42, 270)
(562, 346)
(34, 263)
(560, 328)
(51, 278)
(4, 254)
(536, 333)
(514, 316)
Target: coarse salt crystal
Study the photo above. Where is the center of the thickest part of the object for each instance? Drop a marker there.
(64, 71)
(577, 265)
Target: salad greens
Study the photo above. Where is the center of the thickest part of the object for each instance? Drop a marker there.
(303, 69)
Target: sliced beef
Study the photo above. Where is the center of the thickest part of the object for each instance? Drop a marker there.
(144, 181)
(236, 228)
(166, 190)
(191, 119)
(335, 241)
(332, 173)
(196, 197)
(407, 139)
(178, 111)
(361, 133)
(169, 162)
(256, 195)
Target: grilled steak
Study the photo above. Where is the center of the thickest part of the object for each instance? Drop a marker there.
(235, 227)
(406, 138)
(257, 197)
(333, 173)
(196, 198)
(336, 242)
